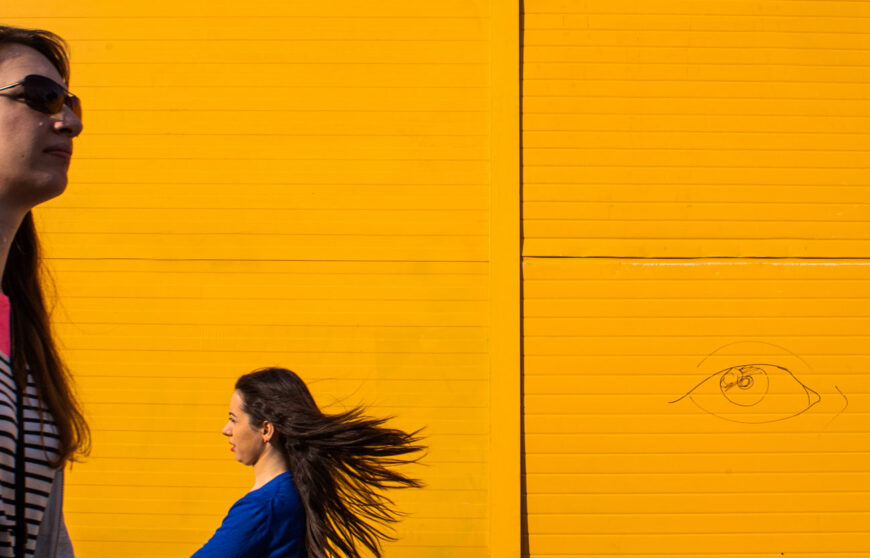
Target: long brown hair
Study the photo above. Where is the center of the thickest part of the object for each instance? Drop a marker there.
(33, 347)
(340, 463)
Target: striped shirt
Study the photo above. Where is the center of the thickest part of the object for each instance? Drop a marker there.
(40, 445)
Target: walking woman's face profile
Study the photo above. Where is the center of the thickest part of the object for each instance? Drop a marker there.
(246, 441)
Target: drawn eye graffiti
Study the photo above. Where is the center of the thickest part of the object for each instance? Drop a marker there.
(755, 390)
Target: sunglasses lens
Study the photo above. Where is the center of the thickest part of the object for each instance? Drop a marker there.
(44, 95)
(75, 104)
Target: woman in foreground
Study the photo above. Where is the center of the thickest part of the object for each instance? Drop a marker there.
(318, 477)
(38, 120)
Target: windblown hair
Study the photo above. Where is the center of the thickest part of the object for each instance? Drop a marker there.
(32, 341)
(340, 463)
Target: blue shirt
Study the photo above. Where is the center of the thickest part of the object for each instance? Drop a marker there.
(267, 523)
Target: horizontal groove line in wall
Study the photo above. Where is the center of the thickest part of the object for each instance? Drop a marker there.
(277, 260)
(711, 97)
(632, 238)
(355, 186)
(684, 65)
(681, 335)
(739, 261)
(620, 166)
(274, 351)
(674, 220)
(354, 63)
(668, 433)
(681, 132)
(279, 111)
(644, 375)
(657, 115)
(355, 325)
(755, 32)
(772, 15)
(647, 394)
(767, 82)
(646, 356)
(603, 201)
(676, 297)
(321, 379)
(526, 297)
(277, 298)
(482, 328)
(686, 45)
(834, 554)
(247, 233)
(298, 209)
(249, 40)
(702, 492)
(301, 273)
(694, 281)
(707, 453)
(322, 159)
(631, 374)
(658, 534)
(315, 86)
(692, 473)
(676, 131)
(687, 514)
(558, 148)
(650, 414)
(245, 135)
(236, 18)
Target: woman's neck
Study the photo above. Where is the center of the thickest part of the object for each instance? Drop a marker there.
(270, 465)
(10, 221)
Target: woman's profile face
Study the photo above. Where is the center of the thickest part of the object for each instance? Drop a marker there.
(35, 148)
(245, 441)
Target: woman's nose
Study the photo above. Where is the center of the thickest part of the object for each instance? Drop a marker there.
(68, 123)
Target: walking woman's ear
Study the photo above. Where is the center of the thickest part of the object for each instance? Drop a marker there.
(268, 430)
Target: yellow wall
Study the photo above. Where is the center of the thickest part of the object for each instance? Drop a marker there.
(715, 132)
(334, 187)
(273, 183)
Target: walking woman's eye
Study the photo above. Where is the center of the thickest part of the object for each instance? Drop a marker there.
(753, 393)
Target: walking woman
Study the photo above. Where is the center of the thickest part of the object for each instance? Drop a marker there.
(38, 120)
(318, 477)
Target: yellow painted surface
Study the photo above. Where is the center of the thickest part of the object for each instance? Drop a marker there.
(273, 183)
(616, 468)
(683, 129)
(333, 187)
(712, 406)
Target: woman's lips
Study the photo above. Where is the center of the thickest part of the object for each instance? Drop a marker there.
(60, 152)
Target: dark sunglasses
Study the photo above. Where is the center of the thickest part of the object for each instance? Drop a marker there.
(46, 95)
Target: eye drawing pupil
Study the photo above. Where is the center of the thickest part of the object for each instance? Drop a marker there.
(744, 385)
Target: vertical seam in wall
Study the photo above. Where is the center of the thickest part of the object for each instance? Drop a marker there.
(504, 279)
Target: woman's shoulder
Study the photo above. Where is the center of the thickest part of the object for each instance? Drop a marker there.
(279, 494)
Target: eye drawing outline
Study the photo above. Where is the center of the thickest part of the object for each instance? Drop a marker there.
(734, 391)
